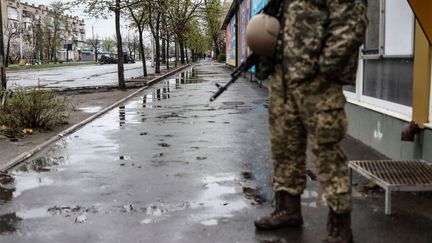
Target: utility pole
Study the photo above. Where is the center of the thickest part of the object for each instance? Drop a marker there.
(2, 61)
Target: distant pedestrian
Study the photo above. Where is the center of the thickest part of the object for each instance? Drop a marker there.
(319, 53)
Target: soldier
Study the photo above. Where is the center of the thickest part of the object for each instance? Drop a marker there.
(318, 54)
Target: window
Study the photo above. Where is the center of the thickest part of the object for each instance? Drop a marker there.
(385, 74)
(373, 42)
(389, 79)
(12, 13)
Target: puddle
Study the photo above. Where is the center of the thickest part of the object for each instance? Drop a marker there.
(28, 182)
(122, 116)
(8, 223)
(186, 77)
(253, 194)
(149, 100)
(40, 165)
(33, 213)
(92, 109)
(312, 199)
(259, 108)
(68, 211)
(309, 194)
(147, 221)
(220, 178)
(222, 196)
(210, 222)
(6, 193)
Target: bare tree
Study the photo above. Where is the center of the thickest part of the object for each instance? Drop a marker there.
(95, 43)
(180, 13)
(139, 16)
(103, 9)
(53, 23)
(12, 30)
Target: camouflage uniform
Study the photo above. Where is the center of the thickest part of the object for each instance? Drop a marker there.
(321, 39)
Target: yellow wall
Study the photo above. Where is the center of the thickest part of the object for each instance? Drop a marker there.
(422, 75)
(423, 12)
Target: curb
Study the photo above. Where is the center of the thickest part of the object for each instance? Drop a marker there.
(24, 156)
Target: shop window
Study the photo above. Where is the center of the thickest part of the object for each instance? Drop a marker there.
(385, 74)
(389, 79)
(373, 39)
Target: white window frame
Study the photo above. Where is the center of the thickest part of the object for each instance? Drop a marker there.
(399, 111)
(386, 107)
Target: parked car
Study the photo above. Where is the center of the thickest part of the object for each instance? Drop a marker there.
(107, 60)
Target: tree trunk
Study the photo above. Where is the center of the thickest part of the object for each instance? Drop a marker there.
(157, 51)
(96, 55)
(216, 50)
(176, 54)
(167, 51)
(186, 54)
(2, 69)
(182, 53)
(120, 66)
(193, 55)
(142, 54)
(53, 55)
(7, 52)
(163, 52)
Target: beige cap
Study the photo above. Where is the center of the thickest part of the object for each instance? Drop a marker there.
(262, 34)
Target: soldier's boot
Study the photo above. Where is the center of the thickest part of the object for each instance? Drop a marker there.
(287, 213)
(339, 228)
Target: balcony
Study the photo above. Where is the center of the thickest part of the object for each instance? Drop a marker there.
(26, 20)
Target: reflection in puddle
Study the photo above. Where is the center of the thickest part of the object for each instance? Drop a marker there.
(122, 116)
(8, 223)
(186, 77)
(91, 109)
(312, 199)
(220, 178)
(28, 182)
(221, 197)
(33, 213)
(210, 222)
(157, 95)
(6, 193)
(42, 164)
(259, 108)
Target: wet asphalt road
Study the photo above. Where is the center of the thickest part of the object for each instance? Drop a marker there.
(75, 76)
(168, 166)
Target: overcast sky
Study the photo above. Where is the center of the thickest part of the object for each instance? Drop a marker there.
(103, 28)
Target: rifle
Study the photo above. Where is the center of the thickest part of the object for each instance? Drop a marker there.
(272, 8)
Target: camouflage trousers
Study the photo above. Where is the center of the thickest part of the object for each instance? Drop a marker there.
(313, 109)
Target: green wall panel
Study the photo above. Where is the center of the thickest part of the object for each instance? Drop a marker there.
(383, 133)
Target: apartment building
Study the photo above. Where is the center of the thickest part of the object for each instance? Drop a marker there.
(36, 18)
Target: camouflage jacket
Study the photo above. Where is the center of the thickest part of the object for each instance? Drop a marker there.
(322, 37)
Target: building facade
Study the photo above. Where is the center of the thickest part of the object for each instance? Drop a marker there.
(33, 20)
(393, 89)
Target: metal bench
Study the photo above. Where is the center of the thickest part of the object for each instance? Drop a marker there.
(395, 175)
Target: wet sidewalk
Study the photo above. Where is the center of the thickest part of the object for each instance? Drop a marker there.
(169, 166)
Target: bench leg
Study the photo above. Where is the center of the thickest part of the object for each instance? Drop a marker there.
(388, 201)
